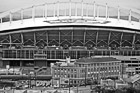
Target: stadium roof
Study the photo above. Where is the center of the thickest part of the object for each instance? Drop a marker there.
(6, 5)
(100, 59)
(34, 13)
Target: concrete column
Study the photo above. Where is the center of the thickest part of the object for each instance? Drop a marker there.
(22, 41)
(21, 64)
(118, 13)
(134, 38)
(10, 39)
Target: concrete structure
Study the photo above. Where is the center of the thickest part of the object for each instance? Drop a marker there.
(42, 34)
(133, 81)
(88, 68)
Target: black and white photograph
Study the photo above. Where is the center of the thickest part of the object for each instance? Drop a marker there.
(69, 46)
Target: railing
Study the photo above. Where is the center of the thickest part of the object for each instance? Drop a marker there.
(70, 9)
(61, 54)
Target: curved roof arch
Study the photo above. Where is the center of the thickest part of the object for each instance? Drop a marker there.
(71, 12)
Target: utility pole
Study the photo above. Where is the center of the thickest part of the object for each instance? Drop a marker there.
(69, 85)
(59, 76)
(85, 75)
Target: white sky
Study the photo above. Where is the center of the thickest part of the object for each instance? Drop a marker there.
(12, 4)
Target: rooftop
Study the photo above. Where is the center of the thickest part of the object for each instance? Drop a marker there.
(99, 59)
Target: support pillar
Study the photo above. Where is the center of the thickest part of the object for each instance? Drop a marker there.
(72, 38)
(84, 37)
(21, 64)
(34, 39)
(109, 38)
(133, 42)
(59, 39)
(47, 38)
(121, 39)
(22, 39)
(10, 38)
(96, 38)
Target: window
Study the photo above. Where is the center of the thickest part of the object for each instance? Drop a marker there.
(75, 75)
(71, 75)
(68, 76)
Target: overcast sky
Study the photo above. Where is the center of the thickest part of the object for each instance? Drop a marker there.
(12, 4)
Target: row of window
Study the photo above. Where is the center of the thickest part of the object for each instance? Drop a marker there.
(78, 75)
(62, 54)
(98, 64)
(83, 70)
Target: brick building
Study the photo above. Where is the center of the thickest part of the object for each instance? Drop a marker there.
(88, 68)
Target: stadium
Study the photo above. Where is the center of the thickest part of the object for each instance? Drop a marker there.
(39, 35)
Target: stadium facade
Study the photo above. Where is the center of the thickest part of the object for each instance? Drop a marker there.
(41, 34)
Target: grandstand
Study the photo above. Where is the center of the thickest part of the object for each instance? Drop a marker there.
(42, 34)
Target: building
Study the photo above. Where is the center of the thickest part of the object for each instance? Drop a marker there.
(101, 67)
(131, 67)
(133, 81)
(39, 35)
(88, 69)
